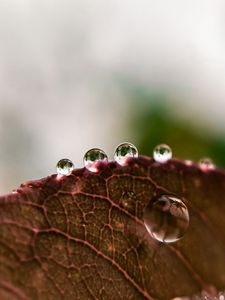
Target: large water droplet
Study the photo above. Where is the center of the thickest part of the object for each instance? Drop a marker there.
(162, 153)
(166, 218)
(93, 157)
(206, 164)
(125, 151)
(64, 167)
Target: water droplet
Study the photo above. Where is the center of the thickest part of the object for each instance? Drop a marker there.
(222, 296)
(166, 218)
(123, 152)
(206, 164)
(93, 157)
(64, 167)
(188, 162)
(162, 153)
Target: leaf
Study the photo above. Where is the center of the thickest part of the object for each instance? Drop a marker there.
(83, 236)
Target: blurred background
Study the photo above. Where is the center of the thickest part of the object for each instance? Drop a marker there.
(78, 74)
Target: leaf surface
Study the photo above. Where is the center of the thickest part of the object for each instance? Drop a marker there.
(83, 236)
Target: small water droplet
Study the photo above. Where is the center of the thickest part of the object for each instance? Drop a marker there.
(64, 167)
(166, 218)
(188, 162)
(92, 157)
(128, 201)
(206, 164)
(123, 152)
(162, 153)
(222, 296)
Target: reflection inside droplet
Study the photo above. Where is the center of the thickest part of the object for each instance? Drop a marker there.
(166, 218)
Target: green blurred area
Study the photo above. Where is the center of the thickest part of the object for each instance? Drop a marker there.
(153, 122)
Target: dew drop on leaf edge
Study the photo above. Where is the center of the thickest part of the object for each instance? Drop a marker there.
(123, 152)
(92, 157)
(166, 218)
(206, 164)
(162, 153)
(64, 167)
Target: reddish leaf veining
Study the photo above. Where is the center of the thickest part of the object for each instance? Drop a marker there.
(83, 236)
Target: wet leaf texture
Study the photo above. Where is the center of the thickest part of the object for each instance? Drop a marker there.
(83, 236)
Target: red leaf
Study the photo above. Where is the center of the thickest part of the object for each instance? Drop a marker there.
(83, 237)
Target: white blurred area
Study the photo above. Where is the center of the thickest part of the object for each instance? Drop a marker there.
(61, 63)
